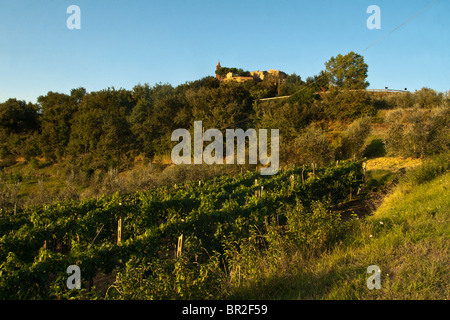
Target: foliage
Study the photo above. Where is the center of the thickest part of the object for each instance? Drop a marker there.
(111, 128)
(354, 137)
(429, 170)
(19, 121)
(211, 216)
(58, 111)
(422, 134)
(223, 71)
(312, 229)
(313, 146)
(348, 71)
(407, 234)
(344, 105)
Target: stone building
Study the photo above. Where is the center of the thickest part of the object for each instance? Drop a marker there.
(254, 75)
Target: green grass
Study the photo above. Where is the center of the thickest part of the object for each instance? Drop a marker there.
(407, 237)
(376, 179)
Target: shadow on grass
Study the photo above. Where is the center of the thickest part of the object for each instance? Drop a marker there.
(375, 149)
(335, 283)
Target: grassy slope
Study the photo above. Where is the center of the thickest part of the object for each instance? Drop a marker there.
(407, 237)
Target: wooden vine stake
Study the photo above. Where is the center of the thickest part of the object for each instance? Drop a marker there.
(364, 169)
(119, 231)
(180, 246)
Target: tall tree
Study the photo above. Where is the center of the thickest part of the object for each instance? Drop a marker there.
(347, 72)
(58, 110)
(18, 122)
(18, 116)
(101, 133)
(221, 107)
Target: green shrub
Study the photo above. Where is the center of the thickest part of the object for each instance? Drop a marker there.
(354, 138)
(429, 170)
(314, 228)
(34, 164)
(313, 146)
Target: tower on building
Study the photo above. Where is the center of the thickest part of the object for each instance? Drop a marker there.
(218, 66)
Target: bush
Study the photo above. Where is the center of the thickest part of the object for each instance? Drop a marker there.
(429, 170)
(314, 228)
(428, 98)
(421, 135)
(313, 146)
(439, 132)
(180, 278)
(354, 138)
(345, 104)
(34, 164)
(9, 195)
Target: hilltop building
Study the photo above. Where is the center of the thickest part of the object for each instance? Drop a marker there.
(254, 75)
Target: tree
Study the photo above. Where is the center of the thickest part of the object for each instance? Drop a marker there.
(223, 71)
(222, 106)
(346, 104)
(395, 140)
(140, 117)
(292, 84)
(18, 122)
(347, 72)
(313, 146)
(58, 109)
(354, 137)
(290, 117)
(416, 135)
(18, 116)
(439, 132)
(100, 131)
(319, 82)
(428, 98)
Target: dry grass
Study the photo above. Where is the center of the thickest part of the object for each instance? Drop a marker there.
(392, 163)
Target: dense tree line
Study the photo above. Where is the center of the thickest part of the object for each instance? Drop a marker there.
(111, 127)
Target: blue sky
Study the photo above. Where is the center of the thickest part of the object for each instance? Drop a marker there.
(123, 43)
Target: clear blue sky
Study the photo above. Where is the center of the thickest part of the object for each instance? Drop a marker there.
(123, 43)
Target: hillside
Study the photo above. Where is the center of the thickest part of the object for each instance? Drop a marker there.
(407, 237)
(88, 182)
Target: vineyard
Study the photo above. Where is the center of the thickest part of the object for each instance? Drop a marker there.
(39, 243)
